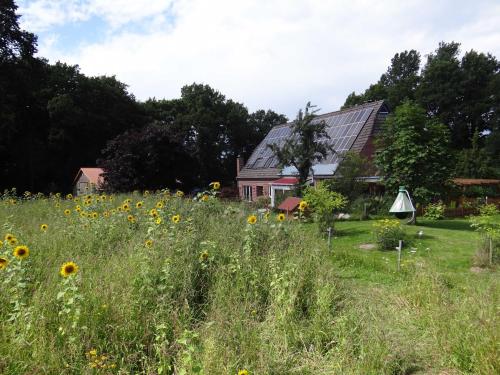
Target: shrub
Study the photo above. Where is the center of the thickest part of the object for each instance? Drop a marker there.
(263, 202)
(324, 204)
(434, 211)
(388, 233)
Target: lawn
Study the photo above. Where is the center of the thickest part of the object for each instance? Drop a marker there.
(212, 294)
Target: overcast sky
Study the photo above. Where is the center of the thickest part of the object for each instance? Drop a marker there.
(275, 54)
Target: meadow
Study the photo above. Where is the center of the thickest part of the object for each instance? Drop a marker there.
(163, 284)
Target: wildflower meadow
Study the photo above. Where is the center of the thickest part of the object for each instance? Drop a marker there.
(161, 283)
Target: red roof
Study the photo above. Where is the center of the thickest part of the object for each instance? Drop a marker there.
(93, 174)
(286, 181)
(289, 204)
(475, 181)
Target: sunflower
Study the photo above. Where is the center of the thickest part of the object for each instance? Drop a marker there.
(280, 217)
(302, 205)
(252, 219)
(128, 200)
(126, 207)
(215, 185)
(159, 204)
(94, 215)
(243, 372)
(69, 196)
(179, 193)
(67, 212)
(68, 269)
(176, 219)
(44, 227)
(78, 208)
(83, 214)
(153, 212)
(139, 204)
(131, 218)
(204, 256)
(158, 220)
(148, 243)
(105, 214)
(146, 193)
(3, 262)
(13, 241)
(21, 252)
(204, 198)
(103, 197)
(9, 237)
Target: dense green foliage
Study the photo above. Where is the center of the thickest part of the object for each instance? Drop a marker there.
(214, 294)
(462, 93)
(324, 204)
(347, 181)
(434, 211)
(305, 146)
(413, 151)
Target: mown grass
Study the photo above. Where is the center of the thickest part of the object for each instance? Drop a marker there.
(269, 298)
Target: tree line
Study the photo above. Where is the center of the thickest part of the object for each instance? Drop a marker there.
(54, 120)
(463, 93)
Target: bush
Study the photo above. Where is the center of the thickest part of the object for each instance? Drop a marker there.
(434, 211)
(324, 204)
(263, 202)
(388, 233)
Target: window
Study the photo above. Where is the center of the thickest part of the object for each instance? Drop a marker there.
(260, 191)
(247, 193)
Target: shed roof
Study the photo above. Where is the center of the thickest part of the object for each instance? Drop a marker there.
(475, 181)
(289, 204)
(349, 129)
(93, 174)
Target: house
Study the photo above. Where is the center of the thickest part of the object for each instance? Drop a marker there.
(88, 181)
(351, 129)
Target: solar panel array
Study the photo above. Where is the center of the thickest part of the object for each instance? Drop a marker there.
(343, 128)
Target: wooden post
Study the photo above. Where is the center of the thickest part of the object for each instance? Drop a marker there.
(491, 252)
(399, 254)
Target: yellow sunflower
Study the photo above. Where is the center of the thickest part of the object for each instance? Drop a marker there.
(146, 193)
(153, 212)
(4, 262)
(243, 372)
(179, 193)
(68, 269)
(280, 217)
(69, 196)
(302, 205)
(176, 219)
(78, 208)
(95, 215)
(252, 219)
(13, 241)
(105, 214)
(148, 243)
(67, 212)
(204, 198)
(215, 185)
(21, 252)
(159, 204)
(44, 227)
(158, 220)
(126, 207)
(204, 256)
(9, 237)
(139, 204)
(131, 218)
(128, 200)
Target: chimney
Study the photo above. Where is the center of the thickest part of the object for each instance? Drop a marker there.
(240, 163)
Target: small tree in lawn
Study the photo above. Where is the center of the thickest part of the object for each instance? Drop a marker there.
(413, 151)
(305, 146)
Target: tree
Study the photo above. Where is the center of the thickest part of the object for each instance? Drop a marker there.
(14, 42)
(398, 83)
(305, 146)
(413, 151)
(474, 162)
(346, 181)
(147, 158)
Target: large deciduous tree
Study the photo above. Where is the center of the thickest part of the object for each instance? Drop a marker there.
(413, 150)
(305, 146)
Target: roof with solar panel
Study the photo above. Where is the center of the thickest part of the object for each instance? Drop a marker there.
(349, 129)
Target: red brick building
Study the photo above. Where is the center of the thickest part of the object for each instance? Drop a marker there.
(351, 129)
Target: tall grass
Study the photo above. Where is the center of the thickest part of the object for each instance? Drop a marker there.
(215, 295)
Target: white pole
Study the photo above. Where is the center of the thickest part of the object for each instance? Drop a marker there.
(491, 252)
(399, 254)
